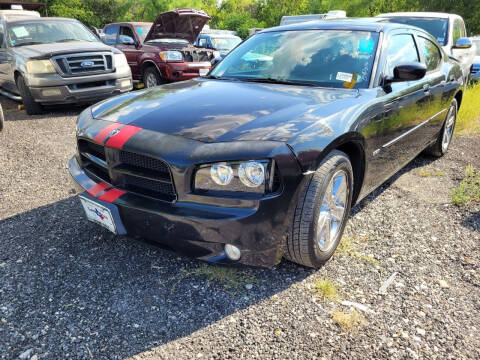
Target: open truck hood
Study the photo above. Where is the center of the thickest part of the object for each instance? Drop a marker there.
(179, 23)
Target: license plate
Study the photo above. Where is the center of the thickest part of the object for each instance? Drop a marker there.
(98, 214)
(203, 72)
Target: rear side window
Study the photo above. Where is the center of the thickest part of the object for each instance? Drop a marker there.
(431, 53)
(111, 34)
(401, 49)
(458, 30)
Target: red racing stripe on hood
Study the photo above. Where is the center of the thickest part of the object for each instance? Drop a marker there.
(103, 134)
(119, 139)
(112, 195)
(98, 188)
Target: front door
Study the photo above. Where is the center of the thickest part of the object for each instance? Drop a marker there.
(130, 50)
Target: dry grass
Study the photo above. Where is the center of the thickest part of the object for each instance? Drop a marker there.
(348, 321)
(469, 188)
(229, 278)
(347, 247)
(468, 121)
(325, 289)
(428, 173)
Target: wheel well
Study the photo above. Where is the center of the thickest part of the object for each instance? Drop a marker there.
(458, 97)
(16, 75)
(356, 154)
(148, 64)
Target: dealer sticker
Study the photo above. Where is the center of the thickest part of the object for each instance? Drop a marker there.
(347, 77)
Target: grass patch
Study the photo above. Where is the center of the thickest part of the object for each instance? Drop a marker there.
(468, 121)
(428, 173)
(325, 289)
(348, 248)
(348, 321)
(469, 188)
(229, 278)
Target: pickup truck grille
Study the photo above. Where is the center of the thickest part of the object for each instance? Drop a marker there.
(84, 64)
(129, 171)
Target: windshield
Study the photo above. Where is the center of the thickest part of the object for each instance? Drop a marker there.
(142, 31)
(435, 26)
(328, 58)
(46, 32)
(220, 43)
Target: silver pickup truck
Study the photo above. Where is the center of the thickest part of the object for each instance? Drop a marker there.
(46, 61)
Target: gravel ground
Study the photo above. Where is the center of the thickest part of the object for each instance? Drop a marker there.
(69, 289)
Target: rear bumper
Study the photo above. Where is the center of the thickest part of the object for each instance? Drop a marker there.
(183, 71)
(198, 230)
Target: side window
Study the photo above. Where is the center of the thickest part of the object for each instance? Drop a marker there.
(430, 52)
(458, 30)
(202, 42)
(111, 34)
(127, 31)
(400, 49)
(2, 33)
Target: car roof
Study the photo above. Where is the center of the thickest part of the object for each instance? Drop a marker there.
(39, 19)
(355, 24)
(418, 14)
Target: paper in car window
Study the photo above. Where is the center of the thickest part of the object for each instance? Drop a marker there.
(347, 77)
(140, 30)
(366, 46)
(20, 31)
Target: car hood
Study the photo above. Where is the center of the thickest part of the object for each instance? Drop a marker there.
(220, 110)
(48, 50)
(178, 24)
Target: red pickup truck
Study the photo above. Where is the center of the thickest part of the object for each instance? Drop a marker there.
(163, 51)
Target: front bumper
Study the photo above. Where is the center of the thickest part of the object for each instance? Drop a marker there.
(258, 228)
(183, 70)
(53, 89)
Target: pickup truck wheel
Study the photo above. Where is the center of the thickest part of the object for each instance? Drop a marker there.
(31, 106)
(1, 118)
(152, 78)
(440, 147)
(322, 212)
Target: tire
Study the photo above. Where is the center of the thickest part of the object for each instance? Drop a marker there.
(305, 243)
(151, 77)
(31, 106)
(1, 118)
(444, 139)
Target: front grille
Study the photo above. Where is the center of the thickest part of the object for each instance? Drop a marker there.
(129, 171)
(84, 64)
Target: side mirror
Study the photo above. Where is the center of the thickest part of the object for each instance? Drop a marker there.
(126, 40)
(463, 43)
(215, 61)
(407, 72)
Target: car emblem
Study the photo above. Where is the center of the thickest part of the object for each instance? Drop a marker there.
(87, 64)
(114, 132)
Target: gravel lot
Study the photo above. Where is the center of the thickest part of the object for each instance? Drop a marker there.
(69, 289)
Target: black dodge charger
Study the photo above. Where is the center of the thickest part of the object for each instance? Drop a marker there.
(264, 157)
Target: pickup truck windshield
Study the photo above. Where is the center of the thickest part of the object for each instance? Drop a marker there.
(438, 27)
(327, 58)
(46, 32)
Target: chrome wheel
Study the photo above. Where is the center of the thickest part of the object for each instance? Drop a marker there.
(449, 127)
(332, 211)
(151, 80)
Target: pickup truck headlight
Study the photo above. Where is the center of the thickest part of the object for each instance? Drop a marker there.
(40, 67)
(230, 178)
(120, 60)
(171, 55)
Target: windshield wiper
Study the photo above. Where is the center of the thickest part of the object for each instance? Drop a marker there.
(215, 77)
(278, 81)
(28, 43)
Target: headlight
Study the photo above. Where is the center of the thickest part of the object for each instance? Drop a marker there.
(120, 60)
(40, 67)
(228, 178)
(252, 173)
(171, 55)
